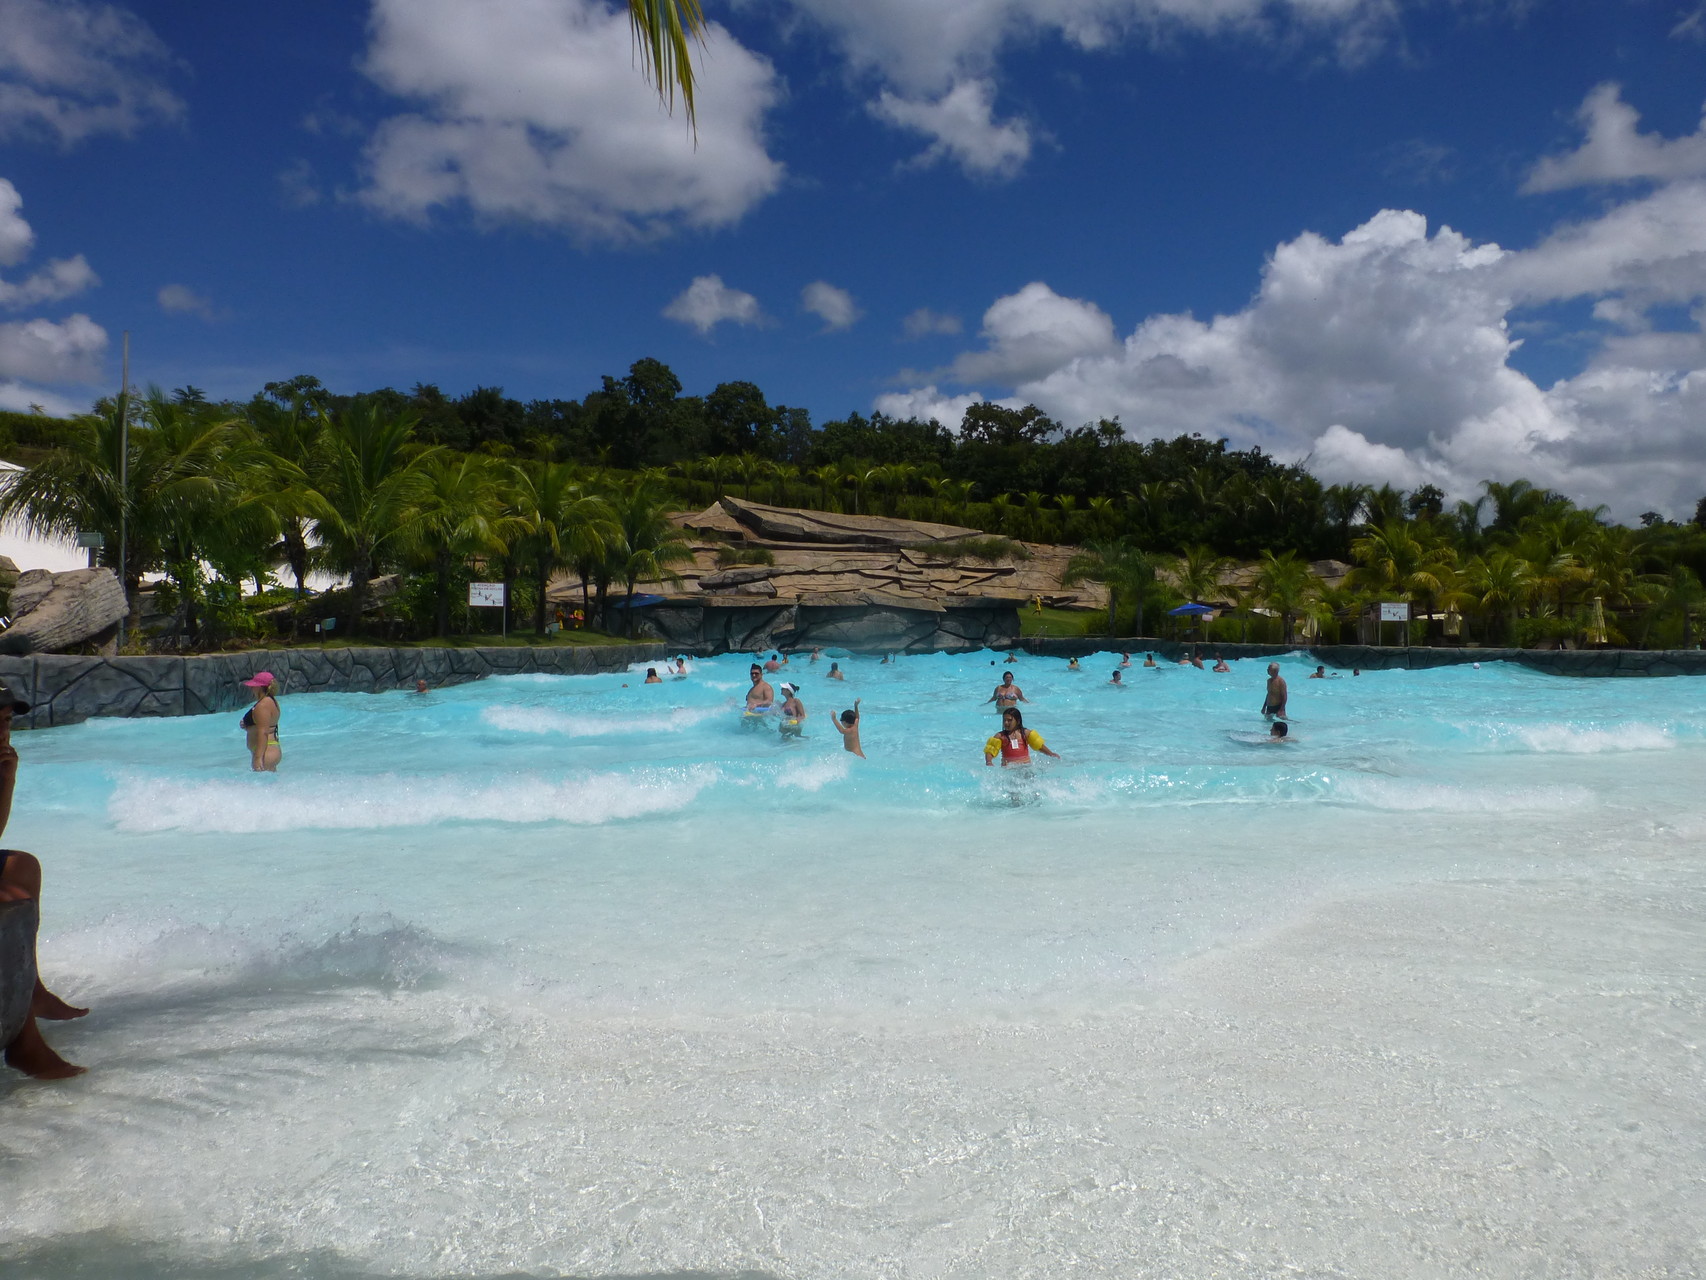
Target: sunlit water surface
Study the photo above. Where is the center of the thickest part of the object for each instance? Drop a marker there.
(575, 976)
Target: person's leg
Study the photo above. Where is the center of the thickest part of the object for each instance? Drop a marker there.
(32, 1055)
(20, 873)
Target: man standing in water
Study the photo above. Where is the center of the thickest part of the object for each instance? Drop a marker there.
(1006, 693)
(848, 728)
(761, 696)
(1274, 707)
(20, 881)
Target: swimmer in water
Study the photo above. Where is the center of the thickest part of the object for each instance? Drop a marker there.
(1015, 743)
(652, 676)
(1116, 680)
(848, 728)
(1220, 663)
(1072, 665)
(420, 686)
(834, 672)
(681, 666)
(1274, 706)
(1149, 660)
(1320, 672)
(1006, 693)
(776, 663)
(1279, 732)
(761, 697)
(793, 712)
(1125, 659)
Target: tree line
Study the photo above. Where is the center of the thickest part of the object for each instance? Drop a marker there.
(223, 495)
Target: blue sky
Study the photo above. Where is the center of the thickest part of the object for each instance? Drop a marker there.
(1215, 215)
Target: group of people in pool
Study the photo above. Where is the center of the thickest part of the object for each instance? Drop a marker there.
(761, 702)
(1014, 743)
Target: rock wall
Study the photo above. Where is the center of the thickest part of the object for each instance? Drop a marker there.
(1555, 662)
(65, 689)
(52, 612)
(18, 922)
(862, 620)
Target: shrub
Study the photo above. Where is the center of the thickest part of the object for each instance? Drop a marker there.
(730, 556)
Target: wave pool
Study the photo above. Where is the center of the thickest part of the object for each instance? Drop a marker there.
(572, 976)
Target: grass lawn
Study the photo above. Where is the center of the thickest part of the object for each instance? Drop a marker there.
(1061, 622)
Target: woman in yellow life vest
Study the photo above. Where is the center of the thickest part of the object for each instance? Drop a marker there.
(1014, 743)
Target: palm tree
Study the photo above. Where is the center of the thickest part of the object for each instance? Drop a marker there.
(563, 524)
(1121, 568)
(286, 435)
(646, 546)
(458, 514)
(662, 30)
(1198, 571)
(782, 474)
(369, 479)
(826, 478)
(1285, 585)
(1393, 561)
(172, 480)
(1502, 581)
(751, 469)
(1679, 590)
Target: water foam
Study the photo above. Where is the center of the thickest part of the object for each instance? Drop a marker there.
(1568, 739)
(815, 775)
(542, 720)
(391, 800)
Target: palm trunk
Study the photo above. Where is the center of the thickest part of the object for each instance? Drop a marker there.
(539, 599)
(360, 574)
(441, 594)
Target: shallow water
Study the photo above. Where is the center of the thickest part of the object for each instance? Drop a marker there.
(552, 976)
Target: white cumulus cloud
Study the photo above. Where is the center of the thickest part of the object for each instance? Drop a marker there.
(708, 302)
(46, 351)
(1387, 355)
(924, 322)
(961, 126)
(925, 403)
(1615, 150)
(835, 307)
(936, 63)
(70, 70)
(59, 278)
(1033, 332)
(181, 299)
(531, 111)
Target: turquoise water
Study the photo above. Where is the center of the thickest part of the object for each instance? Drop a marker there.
(553, 976)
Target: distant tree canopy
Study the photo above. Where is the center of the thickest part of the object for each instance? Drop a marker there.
(425, 482)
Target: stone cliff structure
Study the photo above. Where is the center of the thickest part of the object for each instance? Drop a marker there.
(53, 612)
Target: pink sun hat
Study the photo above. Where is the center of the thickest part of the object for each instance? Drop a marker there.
(260, 680)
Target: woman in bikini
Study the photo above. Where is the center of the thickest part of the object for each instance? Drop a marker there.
(260, 723)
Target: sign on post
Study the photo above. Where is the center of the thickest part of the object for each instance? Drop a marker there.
(91, 538)
(1399, 612)
(489, 595)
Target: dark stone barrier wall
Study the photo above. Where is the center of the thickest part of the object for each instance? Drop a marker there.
(1553, 662)
(64, 689)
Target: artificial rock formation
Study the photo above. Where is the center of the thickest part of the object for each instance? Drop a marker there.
(53, 612)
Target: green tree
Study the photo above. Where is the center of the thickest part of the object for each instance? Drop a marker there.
(1285, 585)
(458, 514)
(369, 480)
(1119, 567)
(565, 524)
(647, 545)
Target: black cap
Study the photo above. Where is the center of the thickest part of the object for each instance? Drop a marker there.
(19, 706)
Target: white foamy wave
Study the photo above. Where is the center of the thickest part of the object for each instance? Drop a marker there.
(815, 775)
(542, 720)
(1569, 740)
(1399, 796)
(391, 800)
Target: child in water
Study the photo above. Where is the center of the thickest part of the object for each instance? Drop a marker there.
(848, 728)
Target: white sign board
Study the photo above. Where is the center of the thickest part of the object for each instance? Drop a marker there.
(1399, 612)
(485, 595)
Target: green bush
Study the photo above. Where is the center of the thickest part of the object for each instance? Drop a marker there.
(730, 556)
(989, 549)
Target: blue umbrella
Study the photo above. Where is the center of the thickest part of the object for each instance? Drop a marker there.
(1197, 609)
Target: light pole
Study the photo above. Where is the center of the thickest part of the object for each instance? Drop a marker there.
(123, 476)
